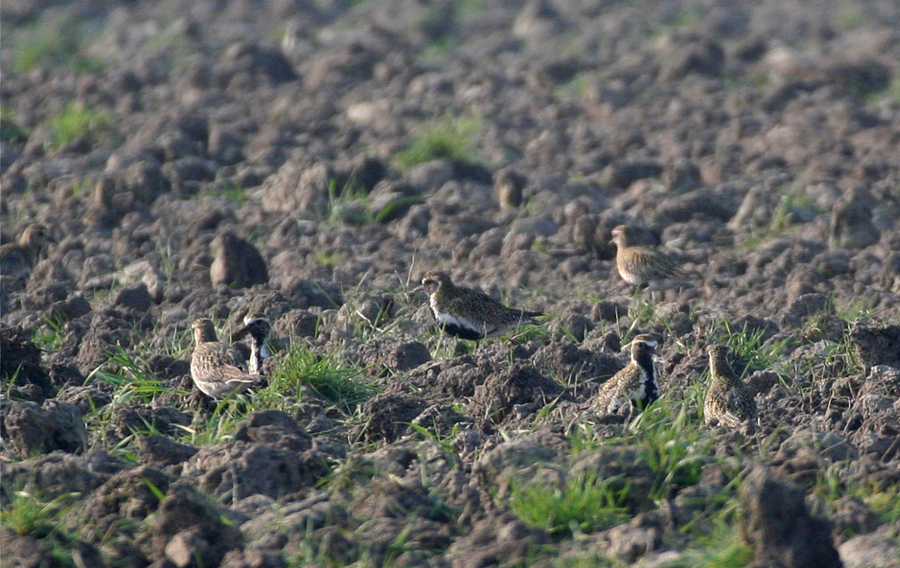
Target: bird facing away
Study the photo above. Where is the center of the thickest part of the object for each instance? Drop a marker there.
(639, 265)
(217, 369)
(22, 254)
(257, 326)
(637, 383)
(470, 314)
(728, 400)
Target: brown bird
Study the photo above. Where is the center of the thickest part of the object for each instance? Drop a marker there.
(470, 314)
(639, 265)
(637, 383)
(728, 401)
(21, 255)
(217, 369)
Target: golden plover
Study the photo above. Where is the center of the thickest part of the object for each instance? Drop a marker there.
(728, 400)
(22, 254)
(257, 326)
(639, 265)
(217, 369)
(470, 314)
(637, 383)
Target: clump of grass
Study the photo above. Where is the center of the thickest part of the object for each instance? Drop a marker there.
(221, 424)
(528, 332)
(830, 485)
(856, 309)
(129, 375)
(348, 204)
(301, 366)
(76, 121)
(670, 441)
(782, 218)
(447, 137)
(50, 336)
(723, 547)
(332, 259)
(234, 192)
(444, 442)
(885, 502)
(584, 504)
(29, 515)
(54, 42)
(752, 352)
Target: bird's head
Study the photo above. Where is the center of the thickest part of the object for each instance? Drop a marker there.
(36, 236)
(255, 324)
(644, 342)
(619, 236)
(718, 357)
(434, 280)
(204, 330)
(254, 317)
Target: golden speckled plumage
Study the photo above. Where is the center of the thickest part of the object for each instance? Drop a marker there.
(470, 314)
(639, 265)
(637, 383)
(728, 400)
(217, 369)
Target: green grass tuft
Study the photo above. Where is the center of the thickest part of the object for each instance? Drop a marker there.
(54, 42)
(751, 351)
(29, 515)
(234, 192)
(447, 137)
(301, 366)
(130, 377)
(76, 121)
(220, 425)
(584, 504)
(722, 548)
(50, 336)
(670, 441)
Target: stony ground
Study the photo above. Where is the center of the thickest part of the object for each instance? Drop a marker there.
(313, 158)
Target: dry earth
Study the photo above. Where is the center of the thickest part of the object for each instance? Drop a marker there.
(312, 158)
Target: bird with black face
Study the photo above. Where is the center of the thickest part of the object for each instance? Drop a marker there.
(258, 328)
(470, 314)
(636, 384)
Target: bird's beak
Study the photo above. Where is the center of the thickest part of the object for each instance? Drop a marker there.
(626, 346)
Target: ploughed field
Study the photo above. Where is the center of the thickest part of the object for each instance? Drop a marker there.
(311, 160)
